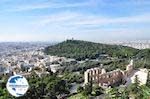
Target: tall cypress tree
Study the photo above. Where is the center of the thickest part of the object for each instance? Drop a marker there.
(136, 89)
(148, 79)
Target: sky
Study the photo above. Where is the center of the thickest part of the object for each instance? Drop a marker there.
(58, 20)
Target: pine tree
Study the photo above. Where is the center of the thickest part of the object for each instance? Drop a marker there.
(88, 88)
(136, 81)
(135, 89)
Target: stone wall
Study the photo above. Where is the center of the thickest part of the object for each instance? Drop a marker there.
(101, 77)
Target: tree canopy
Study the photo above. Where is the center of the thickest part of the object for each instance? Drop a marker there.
(81, 50)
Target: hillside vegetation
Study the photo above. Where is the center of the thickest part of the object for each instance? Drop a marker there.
(81, 50)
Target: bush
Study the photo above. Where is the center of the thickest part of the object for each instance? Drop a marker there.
(98, 90)
(80, 89)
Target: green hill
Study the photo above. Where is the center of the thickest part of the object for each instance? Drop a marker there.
(145, 54)
(81, 50)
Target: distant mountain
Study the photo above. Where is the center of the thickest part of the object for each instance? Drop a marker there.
(81, 50)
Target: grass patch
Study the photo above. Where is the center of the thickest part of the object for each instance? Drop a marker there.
(78, 96)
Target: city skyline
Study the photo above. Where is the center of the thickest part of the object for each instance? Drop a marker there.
(92, 20)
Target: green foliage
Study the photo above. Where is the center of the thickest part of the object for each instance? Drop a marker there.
(146, 92)
(123, 93)
(98, 90)
(87, 89)
(145, 54)
(80, 89)
(81, 50)
(78, 96)
(117, 93)
(135, 89)
(47, 87)
(114, 93)
(3, 91)
(73, 77)
(148, 79)
(4, 94)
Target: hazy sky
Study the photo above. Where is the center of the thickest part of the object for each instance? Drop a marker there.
(57, 20)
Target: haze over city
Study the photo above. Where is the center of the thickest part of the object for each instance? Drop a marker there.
(57, 20)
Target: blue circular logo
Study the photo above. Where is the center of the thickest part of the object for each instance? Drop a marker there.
(17, 85)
